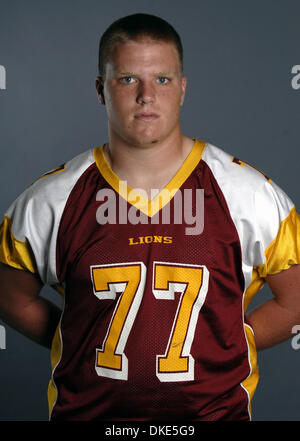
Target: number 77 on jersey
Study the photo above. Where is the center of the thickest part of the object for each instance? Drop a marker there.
(190, 281)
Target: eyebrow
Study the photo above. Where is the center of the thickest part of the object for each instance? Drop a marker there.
(125, 73)
(132, 74)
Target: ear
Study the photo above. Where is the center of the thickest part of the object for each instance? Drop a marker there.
(183, 89)
(99, 87)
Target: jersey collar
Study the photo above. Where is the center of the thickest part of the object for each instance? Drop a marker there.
(138, 200)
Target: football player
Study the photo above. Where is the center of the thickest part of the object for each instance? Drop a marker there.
(154, 322)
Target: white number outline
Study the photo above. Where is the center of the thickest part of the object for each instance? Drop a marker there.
(111, 293)
(169, 294)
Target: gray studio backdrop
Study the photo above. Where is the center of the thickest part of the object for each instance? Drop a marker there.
(241, 60)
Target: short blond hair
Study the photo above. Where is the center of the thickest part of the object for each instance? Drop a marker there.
(134, 28)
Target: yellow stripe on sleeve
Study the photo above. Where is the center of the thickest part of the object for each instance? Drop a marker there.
(284, 251)
(14, 252)
(281, 254)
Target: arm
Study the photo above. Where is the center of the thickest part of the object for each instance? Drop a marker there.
(23, 309)
(273, 321)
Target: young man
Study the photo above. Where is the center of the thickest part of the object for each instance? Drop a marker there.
(153, 324)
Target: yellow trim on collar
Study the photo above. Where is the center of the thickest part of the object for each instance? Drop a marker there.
(137, 199)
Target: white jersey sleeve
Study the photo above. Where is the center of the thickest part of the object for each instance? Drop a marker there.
(264, 216)
(28, 232)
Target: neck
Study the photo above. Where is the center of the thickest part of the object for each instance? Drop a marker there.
(150, 165)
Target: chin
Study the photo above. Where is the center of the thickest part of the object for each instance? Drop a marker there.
(147, 142)
(141, 141)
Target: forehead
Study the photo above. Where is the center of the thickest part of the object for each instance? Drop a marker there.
(144, 54)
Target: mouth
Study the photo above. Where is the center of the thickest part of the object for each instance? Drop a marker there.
(146, 116)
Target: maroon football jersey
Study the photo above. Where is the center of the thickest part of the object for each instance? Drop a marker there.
(153, 324)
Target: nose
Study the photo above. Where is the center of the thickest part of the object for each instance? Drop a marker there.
(146, 94)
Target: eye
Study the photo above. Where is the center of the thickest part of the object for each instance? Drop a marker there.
(126, 80)
(162, 80)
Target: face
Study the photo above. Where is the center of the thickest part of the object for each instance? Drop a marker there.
(143, 90)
